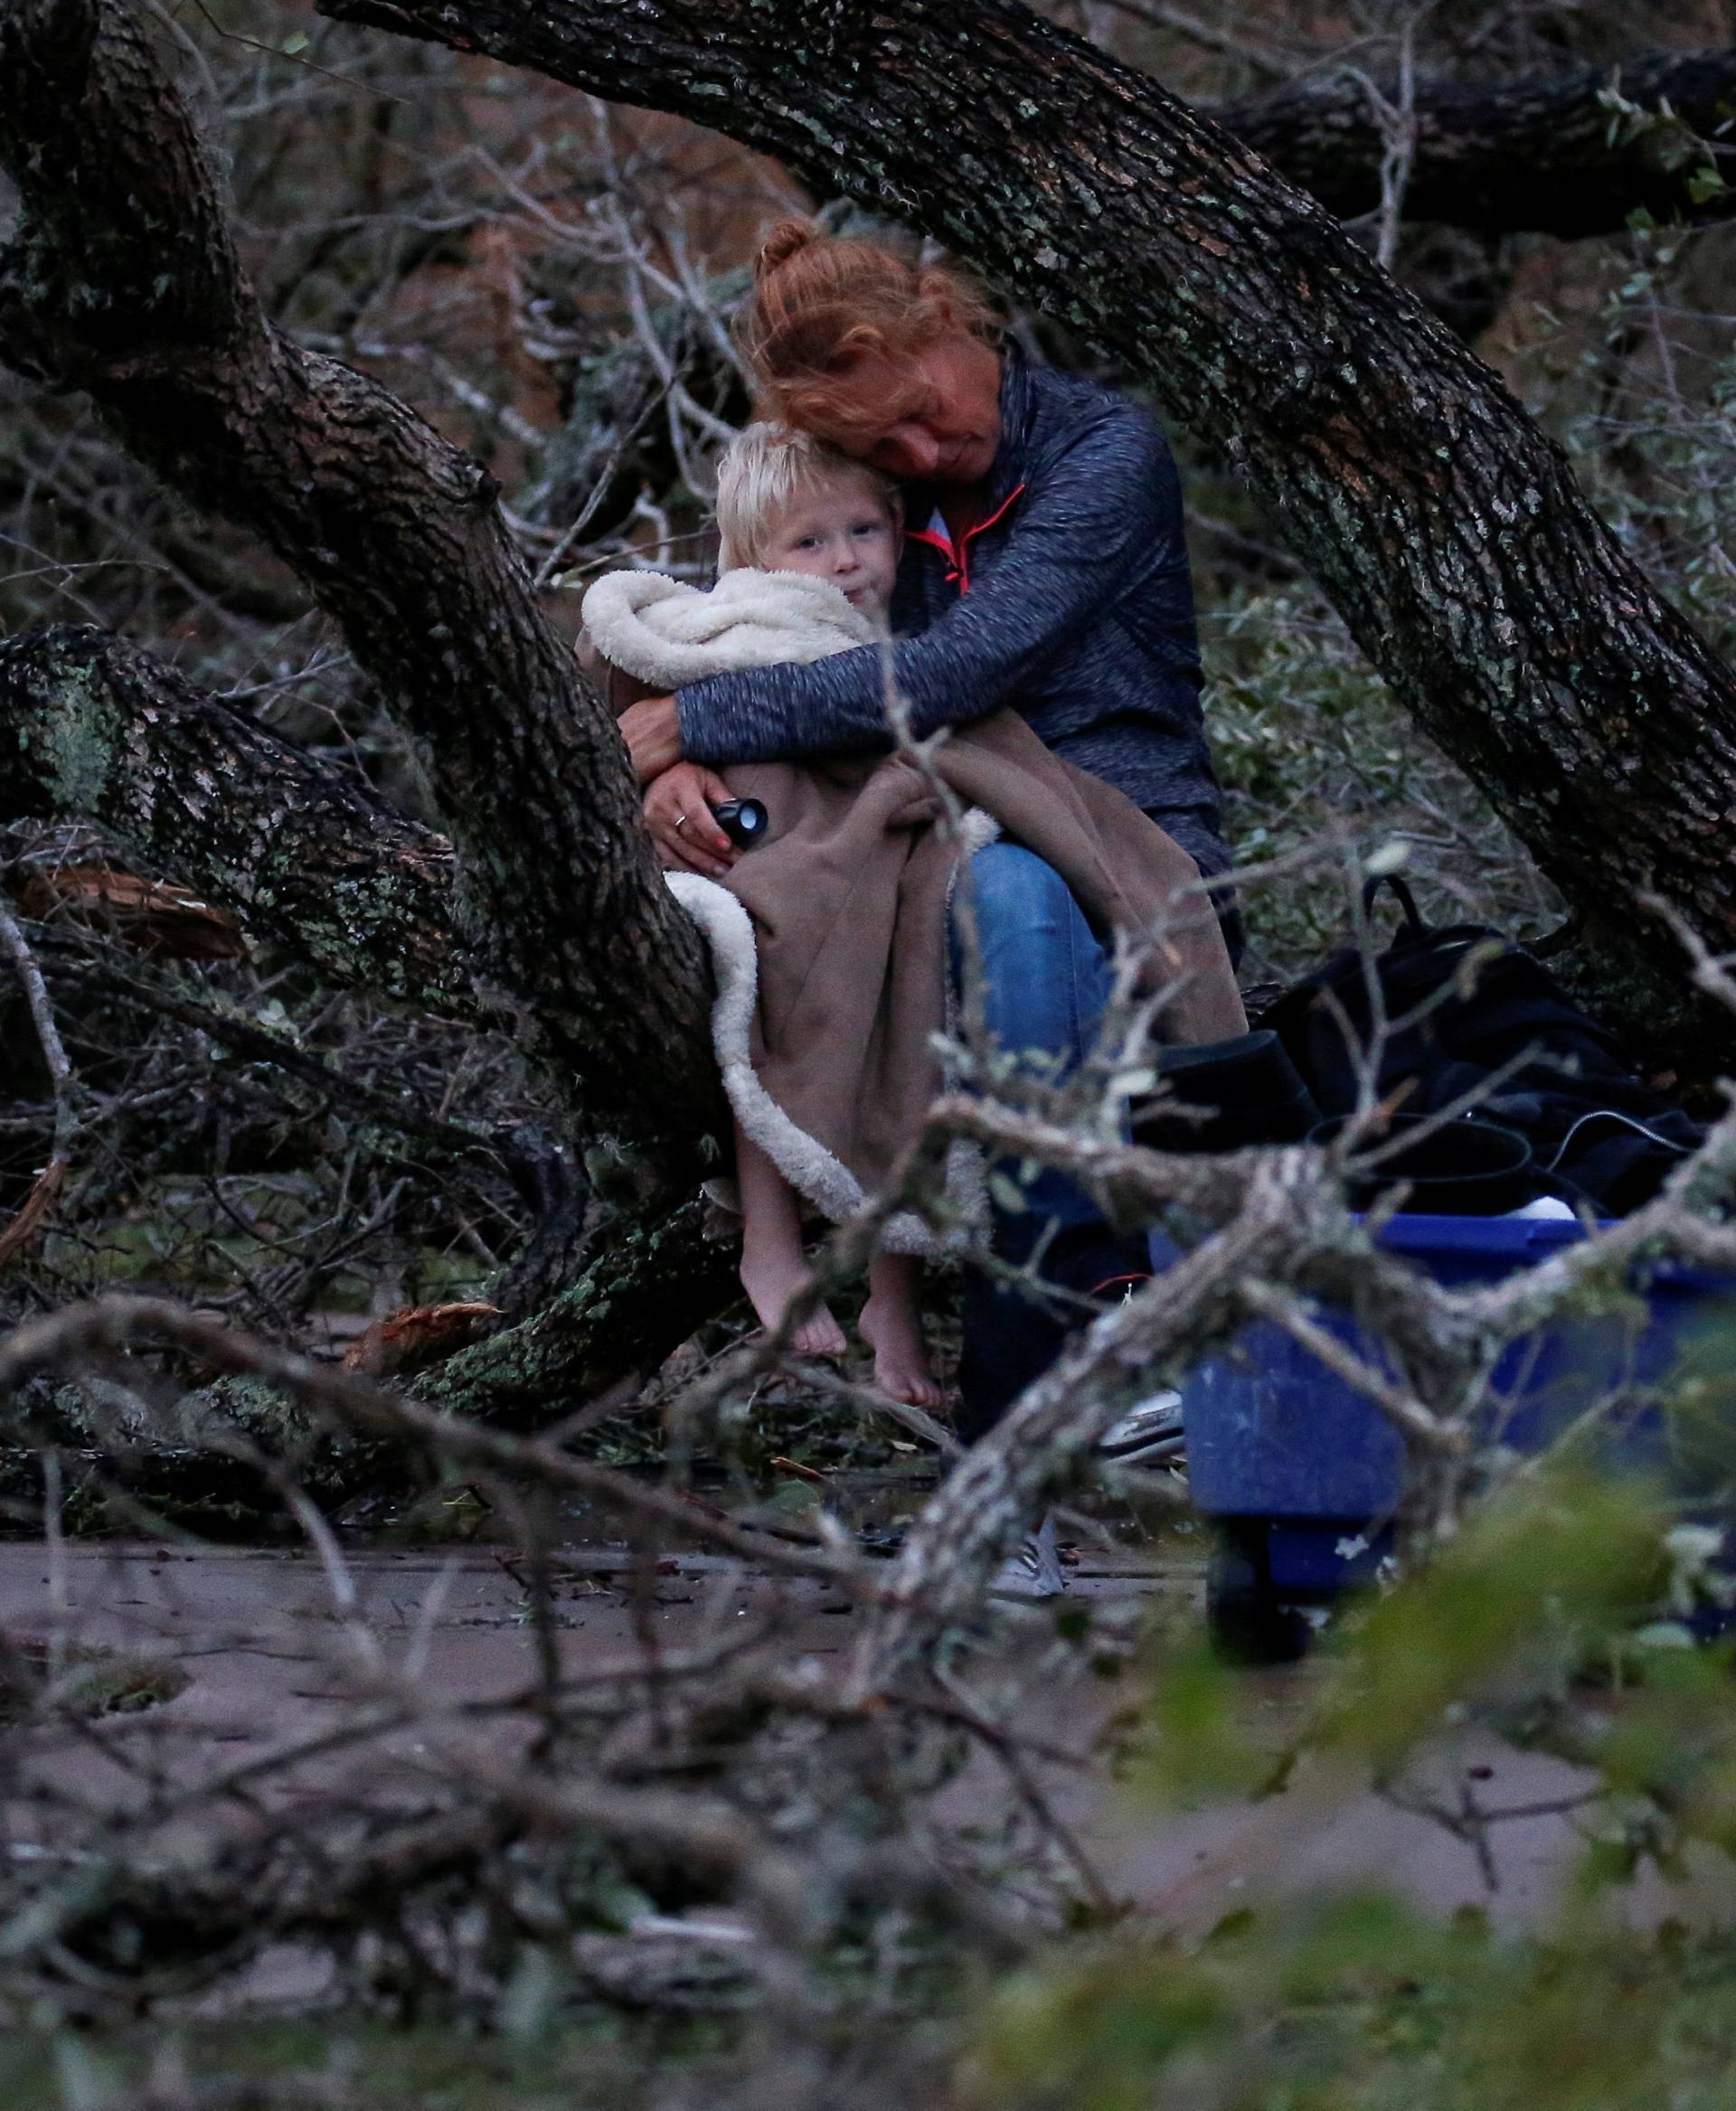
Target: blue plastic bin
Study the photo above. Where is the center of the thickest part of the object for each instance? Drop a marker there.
(1304, 1475)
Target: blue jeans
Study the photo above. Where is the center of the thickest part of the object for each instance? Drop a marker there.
(1046, 981)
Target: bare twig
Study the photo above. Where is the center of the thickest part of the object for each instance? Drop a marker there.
(29, 1218)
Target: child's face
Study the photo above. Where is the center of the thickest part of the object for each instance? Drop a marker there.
(844, 532)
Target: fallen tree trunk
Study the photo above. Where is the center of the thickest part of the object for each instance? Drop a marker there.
(1554, 154)
(311, 861)
(642, 1284)
(1448, 531)
(647, 1281)
(335, 878)
(122, 280)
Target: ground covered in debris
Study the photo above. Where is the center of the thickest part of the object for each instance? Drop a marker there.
(224, 1688)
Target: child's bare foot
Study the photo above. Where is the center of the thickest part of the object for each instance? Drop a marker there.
(892, 1328)
(773, 1283)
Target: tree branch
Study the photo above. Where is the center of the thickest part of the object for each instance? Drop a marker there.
(122, 280)
(310, 861)
(1548, 155)
(27, 1220)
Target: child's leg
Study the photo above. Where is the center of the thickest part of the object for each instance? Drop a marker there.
(891, 1325)
(773, 1271)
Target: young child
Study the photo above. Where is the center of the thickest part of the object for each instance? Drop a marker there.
(787, 503)
(829, 935)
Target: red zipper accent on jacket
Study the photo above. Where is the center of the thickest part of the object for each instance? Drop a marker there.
(958, 556)
(1127, 1285)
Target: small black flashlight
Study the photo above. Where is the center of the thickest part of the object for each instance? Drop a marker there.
(743, 821)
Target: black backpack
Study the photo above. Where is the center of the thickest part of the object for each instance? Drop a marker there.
(1472, 1016)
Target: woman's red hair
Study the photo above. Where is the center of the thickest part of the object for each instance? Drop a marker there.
(821, 303)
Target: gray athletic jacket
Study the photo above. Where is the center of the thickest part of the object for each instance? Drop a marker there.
(1072, 601)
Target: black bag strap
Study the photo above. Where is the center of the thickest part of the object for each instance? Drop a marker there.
(1414, 926)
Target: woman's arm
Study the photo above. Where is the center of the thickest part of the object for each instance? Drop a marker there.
(678, 796)
(1103, 517)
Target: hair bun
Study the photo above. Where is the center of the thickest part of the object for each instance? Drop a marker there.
(782, 243)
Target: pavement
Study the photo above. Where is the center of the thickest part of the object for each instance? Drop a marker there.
(273, 1645)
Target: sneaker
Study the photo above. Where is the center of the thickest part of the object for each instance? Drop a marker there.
(1034, 1569)
(1147, 1435)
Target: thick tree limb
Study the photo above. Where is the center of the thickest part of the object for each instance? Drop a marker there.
(91, 725)
(1446, 528)
(648, 1283)
(642, 1284)
(1544, 155)
(123, 281)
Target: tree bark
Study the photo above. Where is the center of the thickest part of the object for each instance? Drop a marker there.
(322, 870)
(1541, 154)
(92, 726)
(1544, 155)
(648, 1283)
(122, 280)
(1448, 531)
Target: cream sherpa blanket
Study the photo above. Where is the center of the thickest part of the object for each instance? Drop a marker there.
(829, 937)
(664, 633)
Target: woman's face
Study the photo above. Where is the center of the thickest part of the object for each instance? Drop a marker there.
(931, 417)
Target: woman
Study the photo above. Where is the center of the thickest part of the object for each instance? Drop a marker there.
(1045, 568)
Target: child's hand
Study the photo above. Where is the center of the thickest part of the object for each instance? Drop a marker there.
(678, 812)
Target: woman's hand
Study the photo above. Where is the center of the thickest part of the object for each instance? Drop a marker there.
(652, 736)
(678, 812)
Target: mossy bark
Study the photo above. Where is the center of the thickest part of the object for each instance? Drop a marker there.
(309, 860)
(321, 869)
(650, 1281)
(1446, 528)
(647, 1281)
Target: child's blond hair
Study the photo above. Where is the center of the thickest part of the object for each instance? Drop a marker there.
(764, 470)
